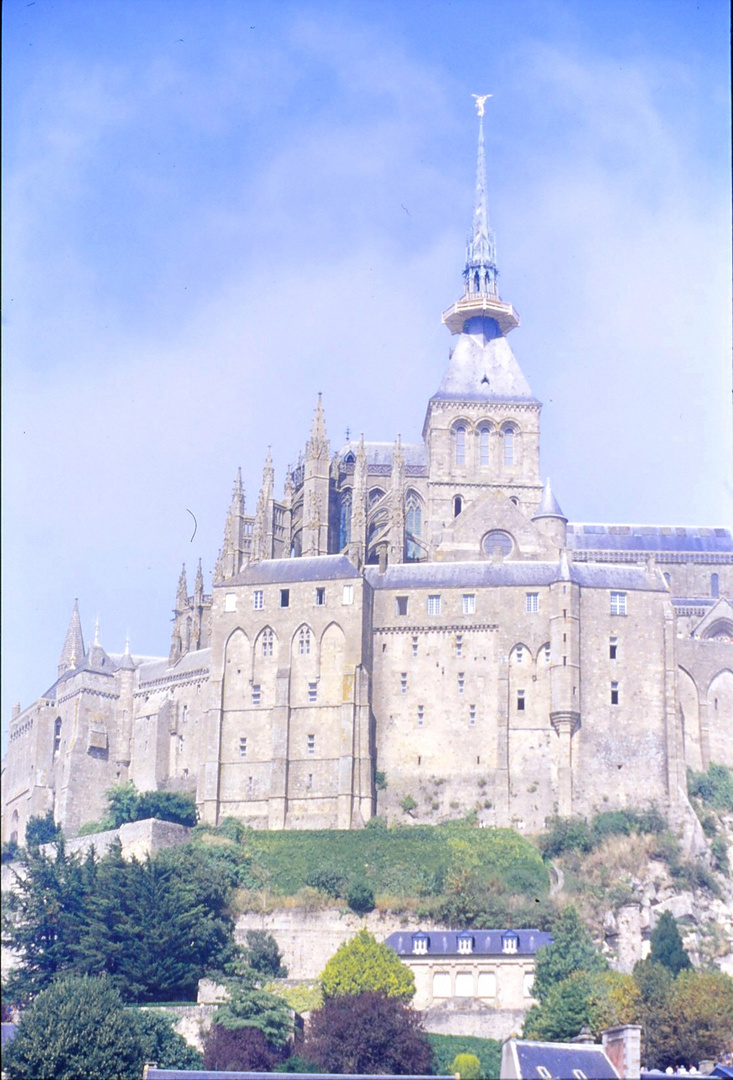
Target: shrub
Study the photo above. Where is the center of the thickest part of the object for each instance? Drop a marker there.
(263, 955)
(10, 850)
(364, 964)
(667, 947)
(41, 829)
(237, 1049)
(408, 804)
(327, 879)
(719, 850)
(380, 781)
(715, 787)
(360, 897)
(466, 1066)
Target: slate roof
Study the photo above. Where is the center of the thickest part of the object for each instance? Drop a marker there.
(283, 571)
(483, 368)
(593, 537)
(382, 453)
(485, 942)
(460, 575)
(191, 661)
(560, 1059)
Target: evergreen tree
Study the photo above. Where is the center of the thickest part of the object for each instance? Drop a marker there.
(250, 1006)
(571, 950)
(161, 1043)
(667, 947)
(75, 1028)
(41, 829)
(45, 918)
(364, 964)
(263, 955)
(598, 1000)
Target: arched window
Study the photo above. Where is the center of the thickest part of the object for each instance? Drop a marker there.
(349, 458)
(267, 642)
(413, 524)
(668, 577)
(509, 446)
(345, 519)
(57, 735)
(375, 495)
(457, 505)
(476, 282)
(460, 437)
(483, 442)
(714, 585)
(304, 641)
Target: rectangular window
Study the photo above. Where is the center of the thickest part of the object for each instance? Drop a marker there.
(403, 682)
(311, 745)
(256, 695)
(618, 603)
(532, 602)
(320, 597)
(459, 644)
(613, 649)
(258, 600)
(434, 605)
(469, 604)
(519, 654)
(250, 785)
(312, 692)
(230, 601)
(348, 595)
(472, 714)
(401, 602)
(546, 651)
(614, 693)
(414, 646)
(309, 785)
(461, 682)
(420, 715)
(285, 598)
(520, 700)
(243, 747)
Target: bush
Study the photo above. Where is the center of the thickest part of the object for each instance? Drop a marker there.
(161, 1043)
(447, 1047)
(360, 897)
(467, 1067)
(714, 787)
(565, 835)
(41, 829)
(10, 850)
(368, 1033)
(408, 804)
(77, 1027)
(238, 1049)
(263, 955)
(327, 879)
(364, 964)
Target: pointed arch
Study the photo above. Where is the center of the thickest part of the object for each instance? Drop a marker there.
(414, 511)
(236, 670)
(332, 651)
(520, 654)
(266, 644)
(719, 713)
(689, 714)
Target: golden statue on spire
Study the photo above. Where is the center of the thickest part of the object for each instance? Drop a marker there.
(480, 99)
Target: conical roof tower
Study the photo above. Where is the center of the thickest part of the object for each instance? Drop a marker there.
(72, 652)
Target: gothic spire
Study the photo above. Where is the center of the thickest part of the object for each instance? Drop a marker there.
(182, 591)
(480, 272)
(199, 583)
(72, 652)
(318, 442)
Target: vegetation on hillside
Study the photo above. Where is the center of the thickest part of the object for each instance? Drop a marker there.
(125, 804)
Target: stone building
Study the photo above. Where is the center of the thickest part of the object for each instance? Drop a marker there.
(410, 630)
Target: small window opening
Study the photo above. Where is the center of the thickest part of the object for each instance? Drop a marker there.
(401, 602)
(461, 682)
(414, 646)
(285, 598)
(614, 693)
(256, 695)
(320, 597)
(312, 692)
(243, 747)
(258, 600)
(459, 644)
(613, 648)
(403, 682)
(420, 715)
(520, 700)
(457, 505)
(472, 715)
(311, 745)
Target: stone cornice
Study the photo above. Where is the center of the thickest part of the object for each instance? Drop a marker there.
(460, 628)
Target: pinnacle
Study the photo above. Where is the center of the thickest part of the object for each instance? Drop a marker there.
(72, 652)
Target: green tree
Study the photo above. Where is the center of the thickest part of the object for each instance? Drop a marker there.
(690, 1021)
(466, 1066)
(596, 1000)
(77, 1027)
(41, 829)
(360, 897)
(45, 917)
(364, 964)
(368, 1033)
(667, 947)
(161, 1043)
(571, 950)
(176, 806)
(263, 955)
(122, 803)
(250, 1006)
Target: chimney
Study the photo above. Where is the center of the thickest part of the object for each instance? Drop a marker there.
(622, 1045)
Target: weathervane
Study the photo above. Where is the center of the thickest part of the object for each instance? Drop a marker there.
(480, 99)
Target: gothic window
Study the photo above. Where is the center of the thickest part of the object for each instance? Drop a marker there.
(460, 444)
(413, 524)
(483, 442)
(477, 282)
(349, 458)
(457, 505)
(267, 642)
(509, 446)
(618, 603)
(345, 519)
(375, 495)
(304, 641)
(714, 586)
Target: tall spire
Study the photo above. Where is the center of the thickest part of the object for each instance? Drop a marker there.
(480, 294)
(182, 591)
(72, 652)
(480, 272)
(318, 442)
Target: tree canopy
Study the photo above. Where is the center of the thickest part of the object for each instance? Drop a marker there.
(364, 964)
(368, 1033)
(77, 1027)
(667, 947)
(249, 1005)
(571, 950)
(41, 829)
(595, 1000)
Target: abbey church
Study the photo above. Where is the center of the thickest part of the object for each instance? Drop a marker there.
(415, 631)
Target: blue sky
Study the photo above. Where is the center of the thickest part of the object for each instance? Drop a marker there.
(215, 209)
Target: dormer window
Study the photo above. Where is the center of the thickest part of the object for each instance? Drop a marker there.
(349, 458)
(465, 943)
(420, 944)
(509, 942)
